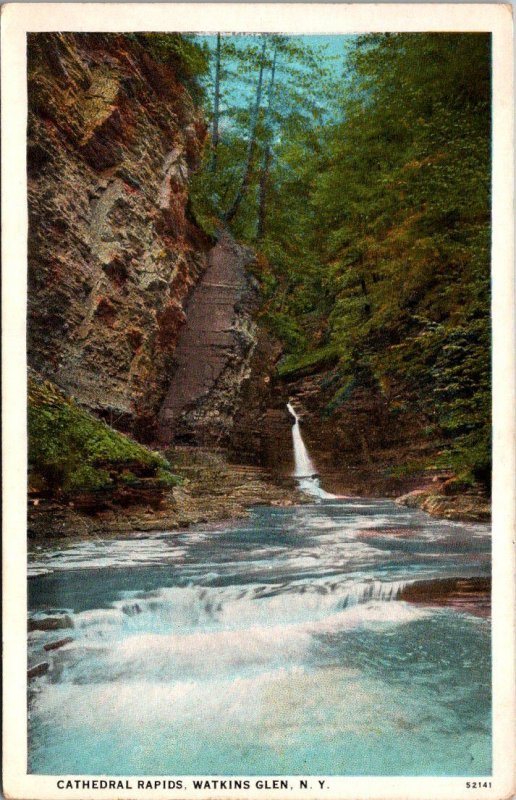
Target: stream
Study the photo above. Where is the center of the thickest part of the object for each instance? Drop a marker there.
(274, 645)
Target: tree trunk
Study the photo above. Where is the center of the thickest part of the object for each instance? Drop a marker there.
(262, 199)
(267, 157)
(216, 112)
(367, 304)
(244, 186)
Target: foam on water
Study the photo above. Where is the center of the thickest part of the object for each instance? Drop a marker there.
(273, 647)
(201, 653)
(278, 719)
(304, 469)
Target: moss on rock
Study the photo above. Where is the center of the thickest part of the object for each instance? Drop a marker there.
(71, 451)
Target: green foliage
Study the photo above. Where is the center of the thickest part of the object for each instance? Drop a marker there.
(341, 396)
(316, 359)
(284, 327)
(70, 450)
(386, 254)
(85, 477)
(167, 479)
(411, 468)
(128, 478)
(188, 58)
(302, 87)
(377, 234)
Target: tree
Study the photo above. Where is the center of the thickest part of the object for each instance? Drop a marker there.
(244, 185)
(216, 109)
(368, 195)
(246, 133)
(264, 177)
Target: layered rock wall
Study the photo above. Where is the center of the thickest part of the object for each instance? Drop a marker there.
(359, 447)
(213, 358)
(112, 139)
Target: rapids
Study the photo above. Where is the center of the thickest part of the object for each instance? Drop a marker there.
(273, 645)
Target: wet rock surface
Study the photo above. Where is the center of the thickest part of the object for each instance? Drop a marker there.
(436, 500)
(472, 595)
(213, 489)
(38, 669)
(359, 448)
(214, 350)
(58, 644)
(50, 623)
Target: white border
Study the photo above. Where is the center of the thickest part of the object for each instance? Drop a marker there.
(17, 19)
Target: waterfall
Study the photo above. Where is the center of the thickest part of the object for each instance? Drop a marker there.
(304, 469)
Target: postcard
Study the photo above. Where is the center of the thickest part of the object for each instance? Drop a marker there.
(258, 349)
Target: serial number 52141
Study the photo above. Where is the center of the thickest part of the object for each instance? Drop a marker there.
(478, 784)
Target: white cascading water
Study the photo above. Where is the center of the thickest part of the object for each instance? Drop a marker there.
(304, 469)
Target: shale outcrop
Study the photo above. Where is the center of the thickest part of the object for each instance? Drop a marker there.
(360, 442)
(213, 357)
(113, 137)
(211, 490)
(359, 446)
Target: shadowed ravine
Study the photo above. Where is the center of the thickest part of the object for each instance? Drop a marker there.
(272, 646)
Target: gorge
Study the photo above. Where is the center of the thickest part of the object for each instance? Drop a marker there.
(164, 330)
(236, 367)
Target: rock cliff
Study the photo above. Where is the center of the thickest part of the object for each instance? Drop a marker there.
(112, 139)
(213, 358)
(359, 446)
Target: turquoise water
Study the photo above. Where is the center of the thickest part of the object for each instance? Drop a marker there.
(271, 646)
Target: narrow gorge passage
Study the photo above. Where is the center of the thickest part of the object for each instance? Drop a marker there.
(215, 342)
(280, 645)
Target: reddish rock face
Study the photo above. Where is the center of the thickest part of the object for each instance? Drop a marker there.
(472, 595)
(112, 140)
(213, 356)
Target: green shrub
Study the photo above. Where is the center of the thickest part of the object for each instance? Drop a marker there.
(86, 478)
(128, 477)
(167, 478)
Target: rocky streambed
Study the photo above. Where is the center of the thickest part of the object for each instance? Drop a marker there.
(212, 489)
(441, 499)
(316, 638)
